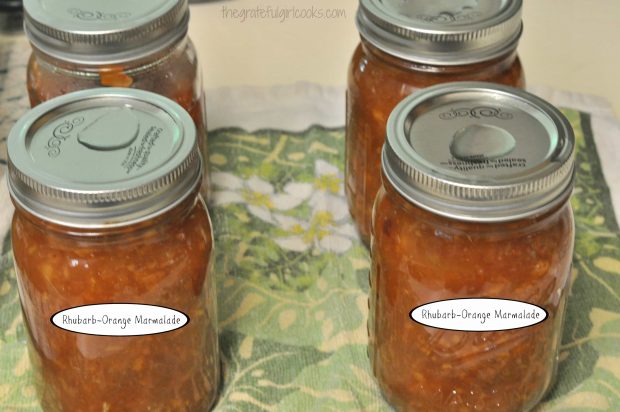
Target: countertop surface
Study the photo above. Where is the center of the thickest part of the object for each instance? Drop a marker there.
(569, 45)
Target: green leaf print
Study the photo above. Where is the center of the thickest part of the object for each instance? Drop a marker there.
(259, 373)
(588, 337)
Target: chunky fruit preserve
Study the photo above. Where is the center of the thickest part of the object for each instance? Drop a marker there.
(474, 204)
(108, 211)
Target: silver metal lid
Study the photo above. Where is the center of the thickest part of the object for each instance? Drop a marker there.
(104, 32)
(103, 158)
(479, 152)
(441, 32)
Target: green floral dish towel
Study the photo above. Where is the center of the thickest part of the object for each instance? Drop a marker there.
(293, 281)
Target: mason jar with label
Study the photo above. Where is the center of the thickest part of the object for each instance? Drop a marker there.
(113, 245)
(84, 44)
(472, 243)
(406, 46)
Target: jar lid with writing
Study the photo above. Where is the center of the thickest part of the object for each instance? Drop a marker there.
(103, 158)
(441, 32)
(479, 152)
(104, 32)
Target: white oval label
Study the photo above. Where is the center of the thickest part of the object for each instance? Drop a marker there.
(120, 319)
(478, 314)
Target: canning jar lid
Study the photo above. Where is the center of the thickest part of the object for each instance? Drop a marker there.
(103, 157)
(479, 152)
(104, 32)
(441, 32)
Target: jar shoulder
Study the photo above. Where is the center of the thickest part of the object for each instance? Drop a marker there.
(175, 74)
(396, 222)
(182, 239)
(439, 258)
(371, 71)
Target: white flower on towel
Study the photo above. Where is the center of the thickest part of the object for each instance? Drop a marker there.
(258, 195)
(328, 178)
(327, 230)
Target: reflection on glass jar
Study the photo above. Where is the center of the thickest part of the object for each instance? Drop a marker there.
(88, 44)
(474, 41)
(106, 188)
(485, 225)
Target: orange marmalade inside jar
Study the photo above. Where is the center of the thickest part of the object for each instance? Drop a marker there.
(142, 45)
(474, 205)
(108, 211)
(407, 46)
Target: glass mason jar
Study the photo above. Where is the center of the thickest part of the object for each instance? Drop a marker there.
(407, 46)
(474, 208)
(142, 45)
(106, 188)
